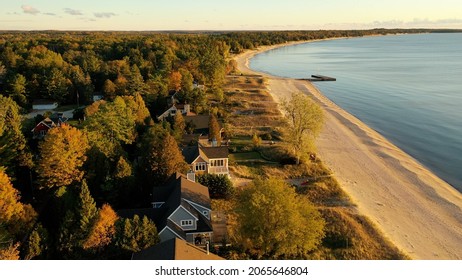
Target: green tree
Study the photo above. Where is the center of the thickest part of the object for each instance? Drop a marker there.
(17, 89)
(78, 222)
(57, 86)
(109, 90)
(62, 154)
(274, 222)
(305, 122)
(135, 81)
(37, 243)
(220, 186)
(113, 120)
(13, 148)
(136, 234)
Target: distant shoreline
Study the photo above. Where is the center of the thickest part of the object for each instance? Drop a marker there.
(418, 211)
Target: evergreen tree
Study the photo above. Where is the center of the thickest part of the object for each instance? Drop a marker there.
(13, 149)
(136, 234)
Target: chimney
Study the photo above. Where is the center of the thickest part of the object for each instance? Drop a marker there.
(191, 176)
(187, 108)
(214, 142)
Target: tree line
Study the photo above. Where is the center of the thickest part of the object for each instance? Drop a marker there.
(59, 195)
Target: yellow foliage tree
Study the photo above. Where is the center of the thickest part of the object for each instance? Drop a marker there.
(62, 155)
(17, 217)
(10, 253)
(305, 122)
(274, 222)
(103, 230)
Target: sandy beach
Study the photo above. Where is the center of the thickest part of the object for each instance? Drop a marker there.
(419, 212)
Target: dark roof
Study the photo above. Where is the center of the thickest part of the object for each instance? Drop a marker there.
(201, 122)
(182, 188)
(174, 249)
(215, 152)
(190, 153)
(58, 118)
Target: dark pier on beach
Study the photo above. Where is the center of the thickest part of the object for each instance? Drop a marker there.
(320, 78)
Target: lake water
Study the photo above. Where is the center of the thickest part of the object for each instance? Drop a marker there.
(406, 87)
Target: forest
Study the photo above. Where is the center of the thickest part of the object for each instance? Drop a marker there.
(59, 195)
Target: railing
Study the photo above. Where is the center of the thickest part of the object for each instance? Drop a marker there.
(218, 170)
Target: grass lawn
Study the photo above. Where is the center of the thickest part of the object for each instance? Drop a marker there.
(245, 156)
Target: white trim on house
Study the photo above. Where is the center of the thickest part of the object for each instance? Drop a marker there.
(172, 231)
(187, 223)
(181, 206)
(194, 205)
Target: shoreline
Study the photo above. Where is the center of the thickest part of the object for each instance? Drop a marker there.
(419, 212)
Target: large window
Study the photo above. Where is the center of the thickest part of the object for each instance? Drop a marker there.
(185, 223)
(217, 162)
(201, 166)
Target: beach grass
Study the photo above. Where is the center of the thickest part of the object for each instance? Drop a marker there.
(349, 235)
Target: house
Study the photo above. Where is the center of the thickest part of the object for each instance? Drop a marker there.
(44, 104)
(199, 124)
(187, 208)
(210, 160)
(185, 109)
(180, 209)
(174, 249)
(97, 97)
(41, 129)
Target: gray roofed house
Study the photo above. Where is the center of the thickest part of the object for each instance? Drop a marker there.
(181, 209)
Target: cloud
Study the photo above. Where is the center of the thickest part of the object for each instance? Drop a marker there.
(73, 12)
(104, 15)
(29, 10)
(50, 14)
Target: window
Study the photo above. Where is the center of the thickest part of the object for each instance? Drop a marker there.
(157, 204)
(201, 166)
(217, 162)
(185, 223)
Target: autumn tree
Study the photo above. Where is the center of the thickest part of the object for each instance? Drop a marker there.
(274, 222)
(174, 81)
(37, 243)
(103, 230)
(179, 125)
(305, 120)
(214, 129)
(62, 154)
(163, 158)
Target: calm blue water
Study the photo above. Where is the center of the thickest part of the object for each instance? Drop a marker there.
(407, 87)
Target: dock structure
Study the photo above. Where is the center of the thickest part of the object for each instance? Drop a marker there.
(320, 78)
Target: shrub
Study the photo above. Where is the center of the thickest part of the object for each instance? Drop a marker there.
(220, 187)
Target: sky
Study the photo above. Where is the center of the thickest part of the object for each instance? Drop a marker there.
(227, 15)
